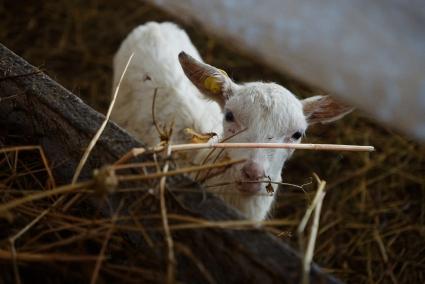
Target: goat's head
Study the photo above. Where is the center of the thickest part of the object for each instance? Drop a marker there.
(261, 112)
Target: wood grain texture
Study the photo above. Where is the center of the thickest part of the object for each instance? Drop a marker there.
(370, 54)
(36, 110)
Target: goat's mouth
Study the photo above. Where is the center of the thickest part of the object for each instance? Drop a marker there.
(250, 187)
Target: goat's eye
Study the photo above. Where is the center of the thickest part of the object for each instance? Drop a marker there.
(229, 116)
(297, 135)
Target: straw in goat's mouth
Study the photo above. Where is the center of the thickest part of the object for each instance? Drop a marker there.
(184, 147)
(317, 147)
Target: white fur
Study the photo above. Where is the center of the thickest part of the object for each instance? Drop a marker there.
(270, 112)
(156, 48)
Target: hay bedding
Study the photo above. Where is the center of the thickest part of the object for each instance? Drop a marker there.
(372, 223)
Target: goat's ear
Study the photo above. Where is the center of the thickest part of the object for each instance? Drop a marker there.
(324, 109)
(211, 81)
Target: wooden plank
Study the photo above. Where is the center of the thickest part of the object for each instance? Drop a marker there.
(370, 54)
(36, 110)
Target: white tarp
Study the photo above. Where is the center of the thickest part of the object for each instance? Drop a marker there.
(369, 53)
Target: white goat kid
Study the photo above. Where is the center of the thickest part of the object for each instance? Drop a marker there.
(196, 95)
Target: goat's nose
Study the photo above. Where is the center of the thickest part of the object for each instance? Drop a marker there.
(253, 171)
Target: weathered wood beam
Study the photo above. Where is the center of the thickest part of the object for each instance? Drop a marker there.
(370, 54)
(36, 110)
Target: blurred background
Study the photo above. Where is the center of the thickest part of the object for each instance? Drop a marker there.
(372, 226)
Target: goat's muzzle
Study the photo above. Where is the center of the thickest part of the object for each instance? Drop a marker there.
(251, 173)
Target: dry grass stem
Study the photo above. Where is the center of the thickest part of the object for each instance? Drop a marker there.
(184, 147)
(102, 126)
(168, 238)
(46, 257)
(315, 207)
(178, 171)
(260, 181)
(308, 256)
(236, 224)
(43, 194)
(207, 157)
(312, 206)
(133, 153)
(51, 184)
(155, 122)
(101, 256)
(17, 149)
(96, 137)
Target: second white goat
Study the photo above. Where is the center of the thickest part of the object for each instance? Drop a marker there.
(199, 96)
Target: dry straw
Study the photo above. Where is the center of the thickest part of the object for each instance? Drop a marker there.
(372, 222)
(161, 174)
(185, 147)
